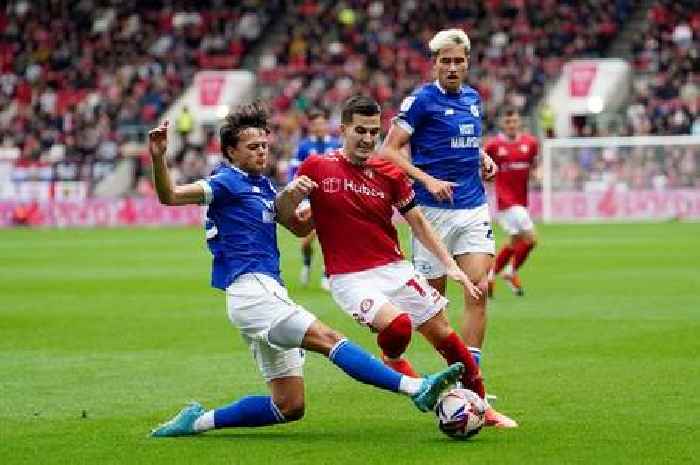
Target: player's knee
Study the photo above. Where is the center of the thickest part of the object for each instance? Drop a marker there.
(328, 337)
(394, 339)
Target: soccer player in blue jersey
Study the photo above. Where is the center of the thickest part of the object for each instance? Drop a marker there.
(318, 141)
(243, 209)
(440, 123)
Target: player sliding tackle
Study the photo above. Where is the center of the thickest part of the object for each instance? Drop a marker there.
(241, 235)
(369, 278)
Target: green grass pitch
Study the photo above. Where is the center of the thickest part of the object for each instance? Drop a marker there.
(105, 333)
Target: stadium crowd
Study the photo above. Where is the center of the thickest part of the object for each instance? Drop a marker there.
(666, 91)
(71, 107)
(634, 168)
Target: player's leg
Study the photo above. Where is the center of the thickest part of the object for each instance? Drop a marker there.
(307, 250)
(439, 333)
(426, 305)
(361, 296)
(476, 266)
(505, 254)
(426, 308)
(282, 369)
(524, 243)
(523, 240)
(273, 328)
(283, 372)
(362, 366)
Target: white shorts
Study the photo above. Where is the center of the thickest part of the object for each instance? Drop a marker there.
(462, 231)
(271, 324)
(363, 293)
(515, 220)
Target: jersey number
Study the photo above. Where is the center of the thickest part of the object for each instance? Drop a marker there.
(414, 284)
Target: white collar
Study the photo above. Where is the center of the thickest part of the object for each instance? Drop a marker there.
(437, 84)
(237, 169)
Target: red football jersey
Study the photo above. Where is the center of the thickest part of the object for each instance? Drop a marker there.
(352, 210)
(515, 159)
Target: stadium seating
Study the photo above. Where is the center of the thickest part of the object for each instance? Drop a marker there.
(79, 80)
(666, 96)
(72, 107)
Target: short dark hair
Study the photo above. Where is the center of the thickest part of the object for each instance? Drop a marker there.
(509, 110)
(314, 113)
(252, 115)
(359, 105)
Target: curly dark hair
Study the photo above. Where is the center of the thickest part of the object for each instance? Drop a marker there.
(252, 115)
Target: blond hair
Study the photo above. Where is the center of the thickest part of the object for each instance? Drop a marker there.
(448, 38)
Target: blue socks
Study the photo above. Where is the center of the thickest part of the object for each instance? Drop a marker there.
(248, 411)
(349, 357)
(362, 366)
(476, 353)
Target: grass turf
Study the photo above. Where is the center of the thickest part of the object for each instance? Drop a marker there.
(105, 333)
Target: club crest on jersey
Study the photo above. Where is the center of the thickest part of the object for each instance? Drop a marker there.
(366, 305)
(523, 148)
(475, 110)
(268, 214)
(449, 112)
(369, 173)
(331, 185)
(255, 189)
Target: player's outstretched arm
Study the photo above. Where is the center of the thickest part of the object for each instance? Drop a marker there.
(424, 232)
(300, 223)
(167, 193)
(391, 151)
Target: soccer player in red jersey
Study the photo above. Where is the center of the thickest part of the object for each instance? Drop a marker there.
(514, 152)
(352, 209)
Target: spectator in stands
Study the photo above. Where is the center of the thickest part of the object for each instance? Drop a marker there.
(184, 125)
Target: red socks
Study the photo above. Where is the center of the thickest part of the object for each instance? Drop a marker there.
(393, 341)
(520, 252)
(453, 350)
(503, 258)
(395, 338)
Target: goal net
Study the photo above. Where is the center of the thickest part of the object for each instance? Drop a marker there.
(620, 178)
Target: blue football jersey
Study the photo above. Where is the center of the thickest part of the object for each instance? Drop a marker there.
(445, 131)
(311, 146)
(240, 225)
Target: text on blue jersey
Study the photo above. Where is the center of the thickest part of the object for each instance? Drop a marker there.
(240, 225)
(445, 142)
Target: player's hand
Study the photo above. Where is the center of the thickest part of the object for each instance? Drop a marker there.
(300, 187)
(158, 140)
(488, 167)
(304, 214)
(455, 272)
(441, 190)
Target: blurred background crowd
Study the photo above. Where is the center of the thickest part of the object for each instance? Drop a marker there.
(82, 81)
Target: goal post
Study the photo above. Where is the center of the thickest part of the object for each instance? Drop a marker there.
(621, 178)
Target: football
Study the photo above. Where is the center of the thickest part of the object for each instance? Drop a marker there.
(460, 413)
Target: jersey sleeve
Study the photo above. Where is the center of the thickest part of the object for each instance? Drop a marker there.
(308, 167)
(411, 113)
(218, 188)
(404, 198)
(490, 147)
